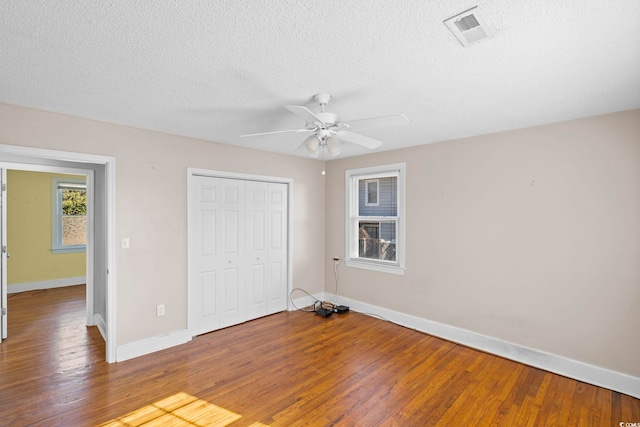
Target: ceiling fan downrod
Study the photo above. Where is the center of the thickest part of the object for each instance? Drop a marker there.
(322, 99)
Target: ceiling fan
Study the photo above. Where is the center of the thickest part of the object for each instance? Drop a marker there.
(329, 132)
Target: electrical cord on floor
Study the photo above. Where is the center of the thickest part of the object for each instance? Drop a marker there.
(315, 300)
(322, 308)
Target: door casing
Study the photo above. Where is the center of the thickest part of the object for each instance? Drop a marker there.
(43, 160)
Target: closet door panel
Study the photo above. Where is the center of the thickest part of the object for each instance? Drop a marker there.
(204, 262)
(256, 249)
(277, 248)
(232, 229)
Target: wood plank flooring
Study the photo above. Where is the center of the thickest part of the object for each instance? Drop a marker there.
(288, 369)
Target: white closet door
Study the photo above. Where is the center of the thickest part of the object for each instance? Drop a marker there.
(237, 251)
(277, 248)
(204, 260)
(216, 228)
(256, 256)
(232, 226)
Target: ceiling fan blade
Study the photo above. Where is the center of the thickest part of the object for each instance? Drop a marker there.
(305, 113)
(277, 131)
(358, 139)
(396, 119)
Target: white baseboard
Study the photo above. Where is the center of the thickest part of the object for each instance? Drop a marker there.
(46, 284)
(150, 345)
(561, 365)
(101, 324)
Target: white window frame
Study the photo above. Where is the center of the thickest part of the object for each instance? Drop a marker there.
(366, 192)
(56, 216)
(352, 176)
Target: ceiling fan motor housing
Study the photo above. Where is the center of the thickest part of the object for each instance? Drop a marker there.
(328, 120)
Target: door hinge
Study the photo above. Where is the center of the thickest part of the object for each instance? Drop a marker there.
(4, 187)
(4, 311)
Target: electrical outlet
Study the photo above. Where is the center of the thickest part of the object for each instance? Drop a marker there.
(160, 310)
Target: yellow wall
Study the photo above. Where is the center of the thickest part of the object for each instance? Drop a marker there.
(29, 232)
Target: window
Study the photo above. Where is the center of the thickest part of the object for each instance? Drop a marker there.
(371, 192)
(375, 218)
(69, 215)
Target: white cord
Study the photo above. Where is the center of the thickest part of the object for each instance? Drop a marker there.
(336, 263)
(315, 300)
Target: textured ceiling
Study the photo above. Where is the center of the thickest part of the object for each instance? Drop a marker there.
(218, 69)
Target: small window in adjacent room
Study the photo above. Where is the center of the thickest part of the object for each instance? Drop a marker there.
(69, 215)
(375, 218)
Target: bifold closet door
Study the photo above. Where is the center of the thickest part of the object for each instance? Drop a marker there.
(266, 243)
(237, 251)
(216, 261)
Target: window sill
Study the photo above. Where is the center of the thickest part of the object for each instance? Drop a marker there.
(69, 250)
(375, 267)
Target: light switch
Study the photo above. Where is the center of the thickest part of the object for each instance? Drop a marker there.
(125, 243)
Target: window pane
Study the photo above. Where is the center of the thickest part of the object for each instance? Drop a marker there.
(372, 192)
(377, 240)
(74, 217)
(385, 193)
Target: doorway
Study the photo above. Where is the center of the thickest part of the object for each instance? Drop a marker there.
(46, 228)
(100, 271)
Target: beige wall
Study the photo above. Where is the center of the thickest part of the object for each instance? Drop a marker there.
(29, 225)
(531, 236)
(151, 207)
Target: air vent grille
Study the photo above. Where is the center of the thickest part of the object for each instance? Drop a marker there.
(469, 27)
(466, 23)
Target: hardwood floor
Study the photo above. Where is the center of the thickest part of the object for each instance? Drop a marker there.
(288, 369)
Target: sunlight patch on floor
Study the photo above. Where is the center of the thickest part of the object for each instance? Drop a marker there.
(178, 410)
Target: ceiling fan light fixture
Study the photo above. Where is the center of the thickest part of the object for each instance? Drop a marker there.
(312, 144)
(334, 146)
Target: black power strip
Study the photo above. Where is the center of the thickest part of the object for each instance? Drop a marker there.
(320, 310)
(323, 312)
(341, 309)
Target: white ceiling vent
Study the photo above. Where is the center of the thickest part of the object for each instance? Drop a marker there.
(469, 27)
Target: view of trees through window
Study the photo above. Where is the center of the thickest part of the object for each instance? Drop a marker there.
(74, 216)
(74, 202)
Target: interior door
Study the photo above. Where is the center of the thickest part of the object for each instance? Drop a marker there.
(3, 261)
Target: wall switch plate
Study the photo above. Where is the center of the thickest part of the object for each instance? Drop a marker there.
(160, 310)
